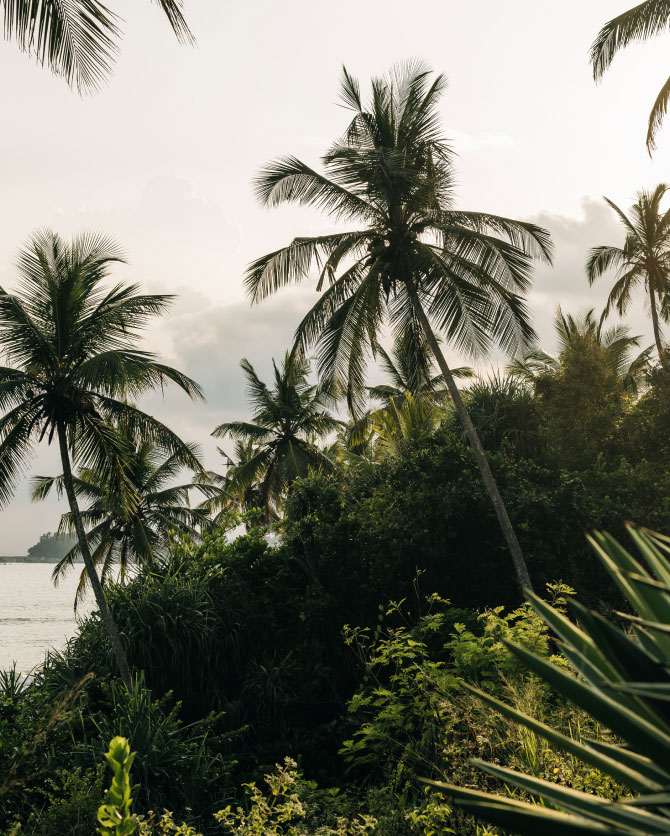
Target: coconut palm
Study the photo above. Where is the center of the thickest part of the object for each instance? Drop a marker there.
(408, 368)
(643, 260)
(127, 531)
(572, 332)
(409, 257)
(76, 39)
(69, 338)
(228, 494)
(287, 421)
(505, 412)
(643, 21)
(402, 421)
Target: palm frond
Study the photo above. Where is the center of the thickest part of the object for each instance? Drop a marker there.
(658, 111)
(75, 39)
(643, 21)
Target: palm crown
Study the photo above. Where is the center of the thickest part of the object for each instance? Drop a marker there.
(119, 539)
(643, 260)
(391, 175)
(652, 17)
(616, 344)
(279, 443)
(408, 368)
(66, 334)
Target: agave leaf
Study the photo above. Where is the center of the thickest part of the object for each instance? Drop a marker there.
(647, 546)
(638, 773)
(598, 808)
(655, 690)
(521, 817)
(642, 735)
(649, 625)
(571, 634)
(632, 760)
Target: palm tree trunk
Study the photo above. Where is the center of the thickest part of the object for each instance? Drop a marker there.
(100, 599)
(656, 326)
(480, 456)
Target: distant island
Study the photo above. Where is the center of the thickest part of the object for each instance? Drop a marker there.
(50, 548)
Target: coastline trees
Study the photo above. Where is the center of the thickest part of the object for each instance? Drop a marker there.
(69, 338)
(643, 260)
(411, 259)
(128, 522)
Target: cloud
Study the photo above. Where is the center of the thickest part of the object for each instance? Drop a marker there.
(207, 340)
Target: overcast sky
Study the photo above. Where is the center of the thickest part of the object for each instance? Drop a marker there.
(163, 156)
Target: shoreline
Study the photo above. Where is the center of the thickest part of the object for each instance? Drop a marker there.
(27, 559)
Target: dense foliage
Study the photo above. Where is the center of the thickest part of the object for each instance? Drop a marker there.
(284, 643)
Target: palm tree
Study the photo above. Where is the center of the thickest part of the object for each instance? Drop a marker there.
(125, 531)
(227, 494)
(409, 371)
(505, 412)
(69, 337)
(644, 259)
(286, 423)
(403, 420)
(409, 257)
(643, 21)
(576, 333)
(76, 39)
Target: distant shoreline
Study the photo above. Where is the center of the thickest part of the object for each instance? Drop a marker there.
(27, 559)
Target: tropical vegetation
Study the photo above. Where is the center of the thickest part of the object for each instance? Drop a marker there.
(69, 337)
(414, 257)
(325, 638)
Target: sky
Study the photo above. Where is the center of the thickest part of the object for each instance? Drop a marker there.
(163, 156)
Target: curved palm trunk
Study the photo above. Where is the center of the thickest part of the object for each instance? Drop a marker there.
(480, 456)
(656, 326)
(100, 599)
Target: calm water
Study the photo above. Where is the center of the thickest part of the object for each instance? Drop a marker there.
(35, 615)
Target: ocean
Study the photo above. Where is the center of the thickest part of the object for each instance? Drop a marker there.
(34, 614)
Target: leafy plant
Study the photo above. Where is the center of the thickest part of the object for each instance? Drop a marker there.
(281, 811)
(115, 814)
(622, 681)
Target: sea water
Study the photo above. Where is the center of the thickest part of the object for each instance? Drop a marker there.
(35, 615)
